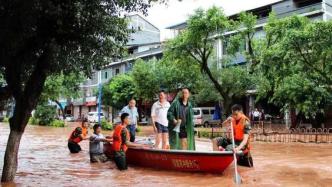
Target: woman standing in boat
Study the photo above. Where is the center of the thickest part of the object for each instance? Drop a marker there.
(181, 124)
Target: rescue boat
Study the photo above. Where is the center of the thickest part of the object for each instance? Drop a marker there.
(177, 160)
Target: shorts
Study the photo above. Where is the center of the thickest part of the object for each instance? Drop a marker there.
(161, 128)
(74, 147)
(183, 133)
(120, 160)
(100, 158)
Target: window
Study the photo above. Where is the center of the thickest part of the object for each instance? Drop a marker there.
(105, 74)
(197, 112)
(205, 112)
(117, 71)
(211, 111)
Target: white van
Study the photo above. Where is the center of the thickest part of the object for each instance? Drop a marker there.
(204, 116)
(93, 117)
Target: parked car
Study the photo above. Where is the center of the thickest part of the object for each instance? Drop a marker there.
(69, 118)
(93, 117)
(203, 116)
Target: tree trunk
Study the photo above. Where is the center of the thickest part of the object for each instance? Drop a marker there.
(10, 161)
(17, 125)
(61, 108)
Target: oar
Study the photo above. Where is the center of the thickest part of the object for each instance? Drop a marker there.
(237, 177)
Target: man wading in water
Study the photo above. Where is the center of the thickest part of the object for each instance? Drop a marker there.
(241, 127)
(97, 145)
(180, 114)
(121, 142)
(79, 134)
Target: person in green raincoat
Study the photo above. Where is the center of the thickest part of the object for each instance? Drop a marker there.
(181, 113)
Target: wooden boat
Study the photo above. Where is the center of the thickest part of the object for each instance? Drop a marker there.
(177, 160)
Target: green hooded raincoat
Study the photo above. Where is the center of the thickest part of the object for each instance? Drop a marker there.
(174, 113)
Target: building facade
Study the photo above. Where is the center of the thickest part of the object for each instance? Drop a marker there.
(313, 9)
(144, 43)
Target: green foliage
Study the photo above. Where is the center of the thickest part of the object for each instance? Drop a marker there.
(61, 85)
(296, 66)
(152, 76)
(105, 125)
(138, 129)
(196, 45)
(57, 123)
(204, 134)
(119, 91)
(45, 114)
(5, 119)
(33, 121)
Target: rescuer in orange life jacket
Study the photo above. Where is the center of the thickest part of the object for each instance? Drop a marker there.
(121, 141)
(241, 128)
(79, 134)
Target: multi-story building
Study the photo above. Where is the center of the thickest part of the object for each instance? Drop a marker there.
(143, 43)
(313, 9)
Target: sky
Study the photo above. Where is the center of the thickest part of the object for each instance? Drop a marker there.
(176, 11)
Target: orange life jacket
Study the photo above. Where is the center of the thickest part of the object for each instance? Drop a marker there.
(118, 144)
(84, 132)
(73, 138)
(238, 127)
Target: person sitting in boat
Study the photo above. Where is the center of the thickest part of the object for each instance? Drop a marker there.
(121, 142)
(79, 134)
(159, 120)
(241, 127)
(97, 145)
(181, 123)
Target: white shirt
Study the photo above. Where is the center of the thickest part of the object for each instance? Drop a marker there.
(257, 114)
(133, 114)
(159, 112)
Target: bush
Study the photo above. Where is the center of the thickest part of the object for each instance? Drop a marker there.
(105, 125)
(33, 121)
(45, 114)
(204, 134)
(57, 123)
(138, 129)
(5, 120)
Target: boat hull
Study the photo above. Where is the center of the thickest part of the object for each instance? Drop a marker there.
(177, 160)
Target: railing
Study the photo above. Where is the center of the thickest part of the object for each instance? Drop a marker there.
(268, 133)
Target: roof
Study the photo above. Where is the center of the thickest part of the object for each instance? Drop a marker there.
(151, 52)
(132, 15)
(177, 26)
(144, 44)
(184, 24)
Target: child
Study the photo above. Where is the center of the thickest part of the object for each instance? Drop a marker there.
(121, 141)
(97, 145)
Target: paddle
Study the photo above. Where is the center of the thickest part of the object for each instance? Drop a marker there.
(237, 177)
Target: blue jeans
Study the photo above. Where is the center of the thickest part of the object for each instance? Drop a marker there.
(132, 132)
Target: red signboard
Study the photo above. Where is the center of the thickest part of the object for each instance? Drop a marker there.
(91, 103)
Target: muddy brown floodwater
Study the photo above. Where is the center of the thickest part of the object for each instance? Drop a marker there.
(44, 160)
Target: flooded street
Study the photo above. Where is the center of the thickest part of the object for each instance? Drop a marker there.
(44, 160)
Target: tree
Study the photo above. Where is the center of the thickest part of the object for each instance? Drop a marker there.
(119, 91)
(66, 86)
(154, 75)
(296, 64)
(196, 45)
(43, 38)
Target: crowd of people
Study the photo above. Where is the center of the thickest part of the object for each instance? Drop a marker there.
(172, 123)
